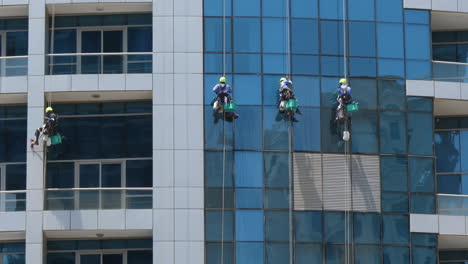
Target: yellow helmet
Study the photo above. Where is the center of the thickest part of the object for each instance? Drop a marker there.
(222, 79)
(343, 81)
(283, 79)
(49, 109)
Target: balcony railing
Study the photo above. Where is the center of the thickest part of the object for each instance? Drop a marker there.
(98, 198)
(12, 201)
(450, 71)
(13, 66)
(100, 63)
(452, 204)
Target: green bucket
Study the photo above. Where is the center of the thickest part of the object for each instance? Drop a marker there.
(292, 104)
(353, 107)
(56, 139)
(230, 107)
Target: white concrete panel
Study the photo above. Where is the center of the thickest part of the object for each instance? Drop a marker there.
(189, 198)
(34, 227)
(111, 219)
(163, 127)
(424, 223)
(37, 9)
(139, 82)
(163, 34)
(85, 82)
(188, 123)
(417, 4)
(190, 169)
(419, 88)
(34, 168)
(34, 252)
(13, 221)
(189, 252)
(163, 252)
(188, 8)
(36, 35)
(17, 84)
(35, 200)
(464, 90)
(447, 90)
(163, 225)
(139, 219)
(445, 5)
(163, 168)
(163, 198)
(84, 219)
(163, 89)
(189, 225)
(453, 225)
(188, 62)
(188, 89)
(56, 83)
(462, 6)
(163, 63)
(163, 7)
(188, 36)
(36, 65)
(36, 91)
(15, 2)
(111, 82)
(56, 220)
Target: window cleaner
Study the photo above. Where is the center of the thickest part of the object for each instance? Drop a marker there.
(287, 99)
(48, 130)
(345, 105)
(223, 101)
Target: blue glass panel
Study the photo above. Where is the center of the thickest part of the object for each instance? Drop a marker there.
(361, 10)
(276, 198)
(246, 37)
(444, 52)
(308, 253)
(61, 258)
(304, 36)
(367, 228)
(249, 225)
(114, 20)
(307, 131)
(65, 41)
(15, 177)
(331, 36)
(140, 39)
(304, 8)
(213, 225)
(251, 118)
(393, 132)
(277, 253)
(248, 166)
(276, 169)
(305, 64)
(214, 198)
(331, 9)
(246, 8)
(214, 169)
(363, 67)
(450, 184)
(14, 133)
(416, 16)
(390, 40)
(140, 19)
(420, 239)
(329, 92)
(335, 254)
(331, 65)
(364, 131)
(365, 91)
(422, 204)
(217, 8)
(391, 11)
(417, 42)
(65, 21)
(214, 37)
(248, 89)
(140, 257)
(60, 175)
(214, 128)
(362, 39)
(270, 89)
(420, 138)
(421, 174)
(418, 70)
(214, 64)
(331, 132)
(367, 254)
(275, 129)
(423, 104)
(276, 226)
(395, 202)
(424, 255)
(396, 229)
(17, 43)
(445, 36)
(392, 95)
(307, 90)
(394, 173)
(274, 8)
(308, 226)
(448, 151)
(398, 255)
(273, 42)
(89, 176)
(16, 24)
(249, 198)
(273, 63)
(139, 173)
(246, 63)
(391, 68)
(249, 253)
(214, 253)
(464, 150)
(335, 225)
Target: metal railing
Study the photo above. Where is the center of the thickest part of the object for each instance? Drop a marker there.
(98, 198)
(449, 71)
(452, 204)
(12, 201)
(100, 63)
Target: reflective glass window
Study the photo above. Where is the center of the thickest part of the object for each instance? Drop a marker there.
(421, 239)
(304, 36)
(390, 11)
(249, 198)
(277, 253)
(304, 8)
(214, 253)
(214, 64)
(307, 131)
(331, 9)
(250, 138)
(60, 175)
(13, 259)
(270, 89)
(418, 70)
(276, 198)
(419, 103)
(365, 92)
(213, 225)
(398, 255)
(214, 198)
(246, 8)
(111, 175)
(390, 40)
(275, 63)
(246, 37)
(308, 226)
(363, 67)
(249, 225)
(331, 35)
(367, 228)
(416, 16)
(395, 202)
(307, 90)
(249, 253)
(214, 36)
(392, 95)
(274, 8)
(139, 173)
(276, 169)
(447, 147)
(361, 10)
(335, 254)
(331, 65)
(393, 132)
(214, 169)
(308, 253)
(420, 138)
(417, 42)
(275, 129)
(14, 133)
(248, 89)
(394, 173)
(422, 204)
(421, 174)
(365, 132)
(61, 258)
(217, 132)
(248, 167)
(367, 254)
(464, 150)
(89, 175)
(272, 42)
(396, 229)
(17, 43)
(391, 68)
(362, 39)
(329, 91)
(276, 226)
(305, 64)
(216, 7)
(246, 63)
(334, 227)
(424, 255)
(331, 132)
(15, 177)
(444, 52)
(140, 257)
(140, 39)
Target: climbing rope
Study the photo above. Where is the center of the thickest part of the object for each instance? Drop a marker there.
(224, 139)
(52, 39)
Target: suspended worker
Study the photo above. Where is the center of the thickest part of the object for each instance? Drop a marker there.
(49, 127)
(223, 93)
(344, 98)
(285, 95)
